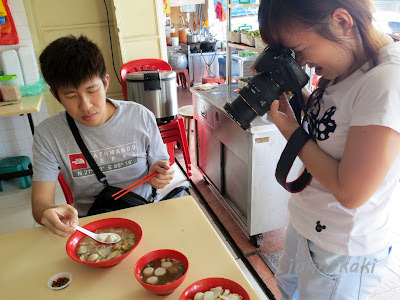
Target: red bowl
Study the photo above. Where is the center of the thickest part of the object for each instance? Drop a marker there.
(206, 284)
(165, 289)
(113, 222)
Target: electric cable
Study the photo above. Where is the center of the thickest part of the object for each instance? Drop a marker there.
(109, 35)
(208, 65)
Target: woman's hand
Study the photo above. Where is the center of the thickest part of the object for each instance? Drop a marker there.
(164, 176)
(282, 114)
(61, 219)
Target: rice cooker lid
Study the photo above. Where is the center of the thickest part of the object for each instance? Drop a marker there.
(140, 76)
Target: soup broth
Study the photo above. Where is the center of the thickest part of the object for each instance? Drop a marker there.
(162, 271)
(90, 250)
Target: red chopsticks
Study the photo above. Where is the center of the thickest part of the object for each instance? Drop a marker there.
(134, 185)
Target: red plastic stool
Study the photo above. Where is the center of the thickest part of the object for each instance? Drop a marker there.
(182, 76)
(212, 79)
(173, 132)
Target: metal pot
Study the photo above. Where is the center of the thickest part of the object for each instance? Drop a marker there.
(178, 61)
(193, 38)
(156, 90)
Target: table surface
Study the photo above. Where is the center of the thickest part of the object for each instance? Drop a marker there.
(27, 105)
(30, 257)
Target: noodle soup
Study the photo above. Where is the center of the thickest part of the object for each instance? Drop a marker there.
(91, 251)
(162, 271)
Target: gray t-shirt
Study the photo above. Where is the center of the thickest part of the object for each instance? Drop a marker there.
(124, 148)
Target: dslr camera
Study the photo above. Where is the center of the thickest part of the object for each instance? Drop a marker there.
(279, 73)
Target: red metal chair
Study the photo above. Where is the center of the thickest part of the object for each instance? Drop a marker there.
(171, 132)
(66, 190)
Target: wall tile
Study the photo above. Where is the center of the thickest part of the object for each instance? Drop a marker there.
(25, 145)
(12, 148)
(16, 6)
(9, 136)
(20, 18)
(3, 152)
(6, 124)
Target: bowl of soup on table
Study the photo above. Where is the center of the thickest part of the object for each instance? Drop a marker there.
(83, 249)
(161, 271)
(216, 289)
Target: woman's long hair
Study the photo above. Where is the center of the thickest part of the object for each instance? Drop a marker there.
(273, 15)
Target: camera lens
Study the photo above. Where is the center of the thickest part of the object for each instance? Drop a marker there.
(254, 99)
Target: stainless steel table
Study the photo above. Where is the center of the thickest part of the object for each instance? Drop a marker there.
(241, 164)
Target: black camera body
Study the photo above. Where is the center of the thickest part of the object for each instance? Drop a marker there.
(279, 73)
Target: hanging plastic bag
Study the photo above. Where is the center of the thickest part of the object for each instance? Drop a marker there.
(36, 88)
(8, 32)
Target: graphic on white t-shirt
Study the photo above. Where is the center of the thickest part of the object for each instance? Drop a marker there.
(109, 159)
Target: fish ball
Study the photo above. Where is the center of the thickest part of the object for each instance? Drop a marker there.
(82, 249)
(148, 271)
(93, 257)
(102, 237)
(166, 264)
(113, 238)
(199, 296)
(152, 280)
(160, 271)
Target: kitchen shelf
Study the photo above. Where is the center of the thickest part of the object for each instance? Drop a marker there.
(242, 5)
(243, 47)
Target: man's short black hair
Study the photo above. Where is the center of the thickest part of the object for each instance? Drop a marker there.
(70, 61)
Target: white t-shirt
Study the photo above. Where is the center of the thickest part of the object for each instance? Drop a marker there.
(364, 98)
(124, 148)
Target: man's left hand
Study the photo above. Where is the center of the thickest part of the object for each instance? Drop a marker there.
(164, 176)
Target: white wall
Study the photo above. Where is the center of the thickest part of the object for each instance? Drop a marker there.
(15, 133)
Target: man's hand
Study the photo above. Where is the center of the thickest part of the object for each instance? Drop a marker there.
(61, 219)
(164, 176)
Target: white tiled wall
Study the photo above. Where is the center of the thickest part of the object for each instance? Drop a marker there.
(15, 132)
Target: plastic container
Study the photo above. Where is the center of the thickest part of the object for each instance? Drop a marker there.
(29, 65)
(9, 90)
(11, 65)
(222, 66)
(175, 41)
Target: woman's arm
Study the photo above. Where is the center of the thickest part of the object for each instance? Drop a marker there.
(368, 155)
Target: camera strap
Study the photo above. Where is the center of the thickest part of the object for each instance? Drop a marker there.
(289, 154)
(285, 163)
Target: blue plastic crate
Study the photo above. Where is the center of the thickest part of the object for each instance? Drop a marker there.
(222, 66)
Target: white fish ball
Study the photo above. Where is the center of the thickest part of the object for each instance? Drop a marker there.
(112, 238)
(152, 280)
(166, 264)
(148, 271)
(82, 249)
(93, 257)
(199, 296)
(160, 271)
(102, 237)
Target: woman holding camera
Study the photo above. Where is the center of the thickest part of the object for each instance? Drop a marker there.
(338, 240)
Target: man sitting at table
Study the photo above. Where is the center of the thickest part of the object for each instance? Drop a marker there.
(122, 137)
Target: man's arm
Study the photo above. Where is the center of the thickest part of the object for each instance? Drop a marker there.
(59, 219)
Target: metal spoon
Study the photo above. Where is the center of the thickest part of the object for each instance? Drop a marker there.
(102, 238)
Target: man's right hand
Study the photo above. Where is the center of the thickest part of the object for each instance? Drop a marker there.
(61, 219)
